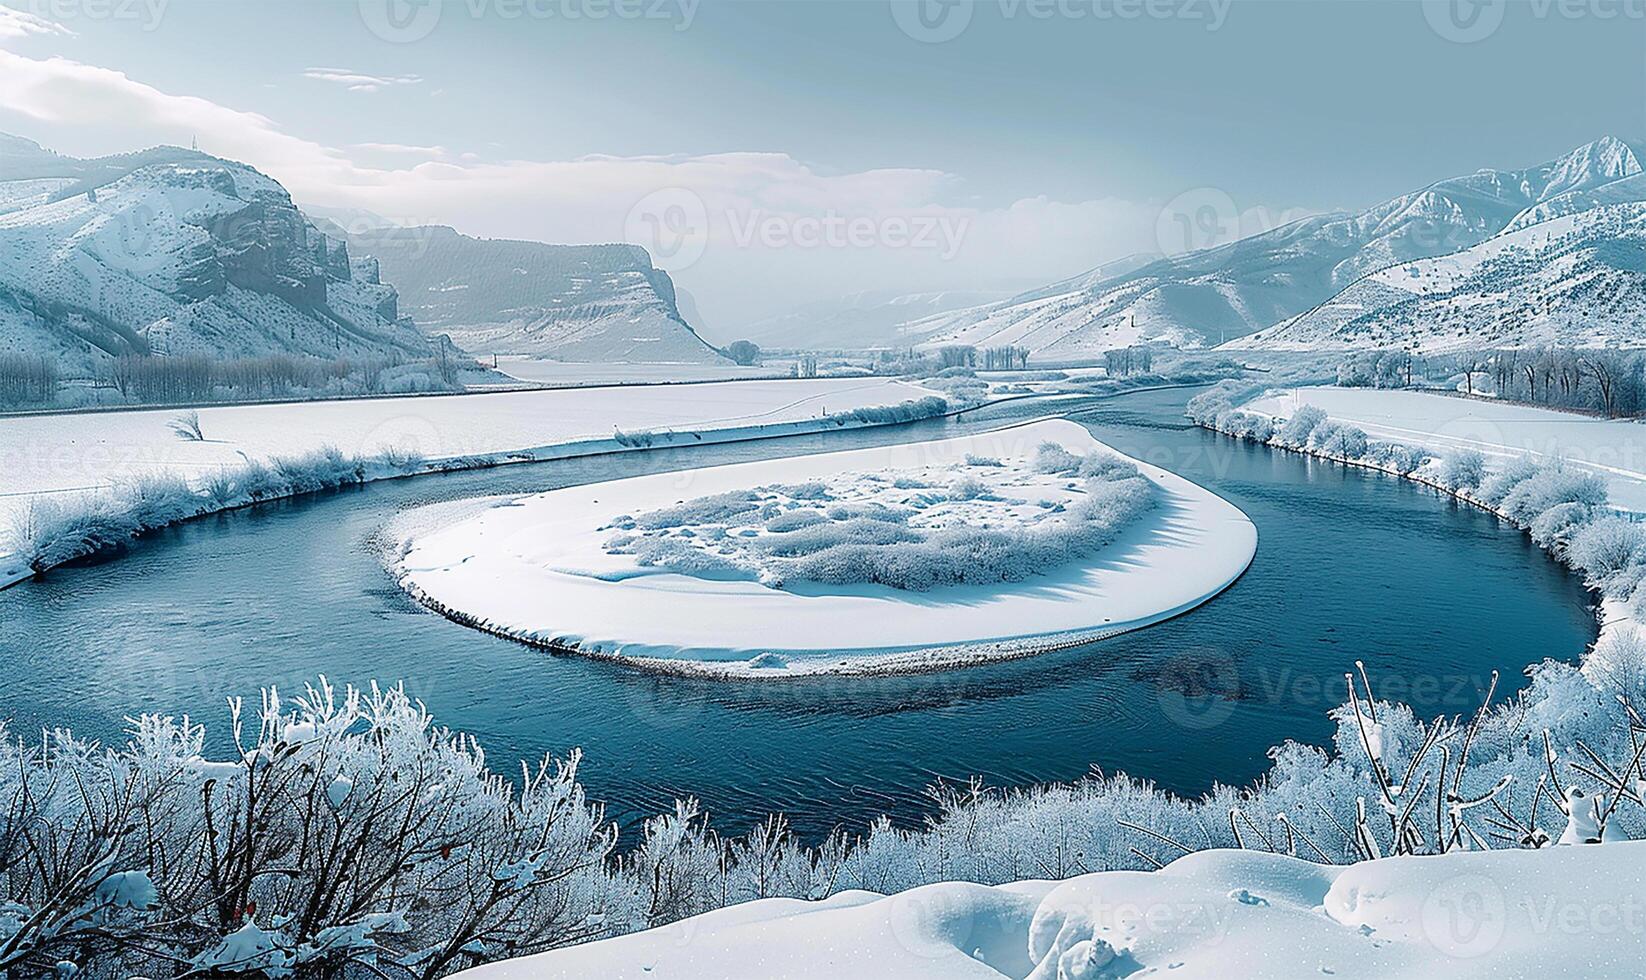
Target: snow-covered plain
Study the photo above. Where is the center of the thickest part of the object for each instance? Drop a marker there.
(577, 373)
(539, 568)
(1614, 449)
(1567, 912)
(83, 454)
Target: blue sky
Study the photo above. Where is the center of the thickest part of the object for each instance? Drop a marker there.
(1042, 139)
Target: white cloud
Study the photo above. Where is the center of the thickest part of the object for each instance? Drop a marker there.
(16, 24)
(775, 231)
(356, 81)
(402, 149)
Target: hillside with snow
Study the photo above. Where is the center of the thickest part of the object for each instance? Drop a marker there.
(1205, 297)
(600, 303)
(1573, 281)
(174, 252)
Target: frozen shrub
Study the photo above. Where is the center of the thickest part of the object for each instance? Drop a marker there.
(1549, 486)
(872, 510)
(865, 541)
(975, 460)
(1339, 440)
(220, 488)
(812, 490)
(1245, 425)
(1463, 470)
(1550, 528)
(794, 520)
(100, 849)
(401, 459)
(1294, 433)
(323, 469)
(1053, 458)
(1497, 486)
(678, 556)
(721, 508)
(910, 411)
(1401, 458)
(820, 537)
(1610, 551)
(187, 427)
(260, 482)
(48, 533)
(156, 500)
(1102, 466)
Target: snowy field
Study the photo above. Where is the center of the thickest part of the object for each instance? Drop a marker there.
(1503, 915)
(545, 568)
(1616, 450)
(59, 453)
(571, 373)
(80, 455)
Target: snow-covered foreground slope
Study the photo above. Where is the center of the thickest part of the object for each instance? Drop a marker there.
(64, 455)
(1572, 281)
(1614, 449)
(173, 252)
(1503, 915)
(544, 568)
(1201, 297)
(601, 303)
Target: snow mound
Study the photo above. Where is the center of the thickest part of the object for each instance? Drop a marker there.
(1564, 912)
(888, 559)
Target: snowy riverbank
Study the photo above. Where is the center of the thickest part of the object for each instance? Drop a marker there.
(540, 569)
(83, 459)
(1570, 912)
(1614, 449)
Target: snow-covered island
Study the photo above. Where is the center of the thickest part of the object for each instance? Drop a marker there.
(877, 560)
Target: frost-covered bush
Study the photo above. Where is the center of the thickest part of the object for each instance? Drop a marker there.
(1245, 425)
(794, 520)
(1339, 440)
(909, 411)
(851, 541)
(1463, 469)
(1399, 457)
(1294, 433)
(47, 533)
(155, 500)
(345, 832)
(1053, 458)
(1497, 486)
(975, 460)
(1612, 552)
(1549, 486)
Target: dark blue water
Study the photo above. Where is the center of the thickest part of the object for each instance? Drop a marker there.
(1432, 595)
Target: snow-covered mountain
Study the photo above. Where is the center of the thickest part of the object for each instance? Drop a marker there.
(1574, 281)
(172, 251)
(1201, 298)
(600, 303)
